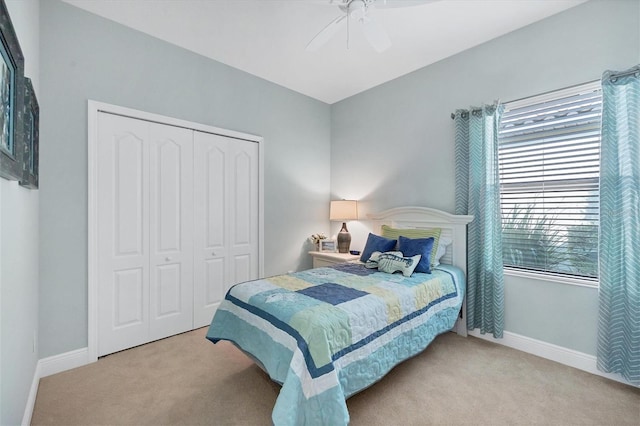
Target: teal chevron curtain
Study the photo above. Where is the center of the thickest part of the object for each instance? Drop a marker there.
(619, 319)
(478, 194)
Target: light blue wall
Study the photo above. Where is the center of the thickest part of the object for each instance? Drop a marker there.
(19, 253)
(400, 132)
(86, 57)
(402, 135)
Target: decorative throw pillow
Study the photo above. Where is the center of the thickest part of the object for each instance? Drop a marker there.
(376, 243)
(394, 233)
(372, 263)
(393, 261)
(414, 246)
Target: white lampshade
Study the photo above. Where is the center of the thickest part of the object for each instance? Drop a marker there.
(343, 210)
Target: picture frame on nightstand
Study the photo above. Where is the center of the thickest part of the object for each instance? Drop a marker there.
(328, 245)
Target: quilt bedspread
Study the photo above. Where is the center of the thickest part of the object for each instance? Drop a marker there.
(327, 333)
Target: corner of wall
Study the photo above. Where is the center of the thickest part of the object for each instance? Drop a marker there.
(19, 242)
(1, 374)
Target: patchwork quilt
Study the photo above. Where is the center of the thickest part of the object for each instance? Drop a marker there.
(327, 333)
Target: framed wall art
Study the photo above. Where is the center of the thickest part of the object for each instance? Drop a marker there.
(31, 119)
(11, 99)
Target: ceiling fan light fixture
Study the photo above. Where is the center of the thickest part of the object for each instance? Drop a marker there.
(357, 10)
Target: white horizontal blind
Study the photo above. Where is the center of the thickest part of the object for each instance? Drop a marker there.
(549, 155)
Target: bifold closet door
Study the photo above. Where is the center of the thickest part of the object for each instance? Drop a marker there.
(226, 219)
(171, 230)
(145, 259)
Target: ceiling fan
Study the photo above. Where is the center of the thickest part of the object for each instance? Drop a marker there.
(359, 11)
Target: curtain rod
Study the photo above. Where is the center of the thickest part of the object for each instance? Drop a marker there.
(472, 111)
(477, 109)
(453, 115)
(612, 77)
(635, 71)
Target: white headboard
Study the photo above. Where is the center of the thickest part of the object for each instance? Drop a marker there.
(453, 226)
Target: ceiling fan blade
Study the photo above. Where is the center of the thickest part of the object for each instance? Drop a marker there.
(376, 35)
(327, 32)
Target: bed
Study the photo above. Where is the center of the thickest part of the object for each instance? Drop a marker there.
(327, 333)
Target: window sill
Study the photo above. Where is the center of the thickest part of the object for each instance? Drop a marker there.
(551, 278)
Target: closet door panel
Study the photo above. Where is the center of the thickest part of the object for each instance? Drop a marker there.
(128, 291)
(242, 268)
(242, 196)
(127, 169)
(244, 242)
(214, 190)
(215, 274)
(214, 251)
(211, 234)
(123, 234)
(171, 230)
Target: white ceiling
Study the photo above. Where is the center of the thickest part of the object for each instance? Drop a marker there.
(267, 38)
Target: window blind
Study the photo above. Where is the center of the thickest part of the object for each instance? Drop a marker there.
(549, 155)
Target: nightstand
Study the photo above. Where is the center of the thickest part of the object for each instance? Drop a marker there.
(326, 258)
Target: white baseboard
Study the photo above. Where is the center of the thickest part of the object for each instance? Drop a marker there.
(48, 366)
(31, 399)
(63, 362)
(549, 351)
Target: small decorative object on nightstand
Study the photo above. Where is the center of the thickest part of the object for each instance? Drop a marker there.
(323, 258)
(327, 245)
(316, 238)
(342, 211)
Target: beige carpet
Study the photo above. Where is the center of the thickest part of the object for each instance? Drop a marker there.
(187, 380)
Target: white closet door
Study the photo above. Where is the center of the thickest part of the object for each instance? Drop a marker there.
(145, 236)
(211, 223)
(170, 222)
(123, 233)
(226, 219)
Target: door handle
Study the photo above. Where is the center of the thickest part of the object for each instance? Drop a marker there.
(168, 259)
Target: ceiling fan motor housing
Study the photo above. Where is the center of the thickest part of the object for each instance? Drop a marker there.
(357, 9)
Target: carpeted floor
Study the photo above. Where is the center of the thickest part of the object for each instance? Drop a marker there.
(186, 380)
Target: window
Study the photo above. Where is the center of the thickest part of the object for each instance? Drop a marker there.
(549, 155)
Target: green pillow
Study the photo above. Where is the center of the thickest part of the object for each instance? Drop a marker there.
(395, 233)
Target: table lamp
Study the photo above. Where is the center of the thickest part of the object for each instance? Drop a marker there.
(342, 211)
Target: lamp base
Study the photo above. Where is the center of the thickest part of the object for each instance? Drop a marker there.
(344, 239)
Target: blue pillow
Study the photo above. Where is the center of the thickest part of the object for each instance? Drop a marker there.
(422, 246)
(376, 243)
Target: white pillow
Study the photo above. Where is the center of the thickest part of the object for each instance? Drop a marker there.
(442, 249)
